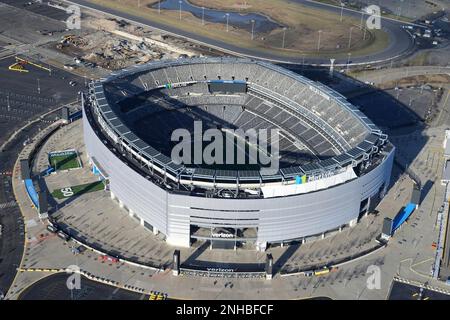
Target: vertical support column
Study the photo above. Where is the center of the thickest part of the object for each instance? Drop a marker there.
(65, 115)
(24, 169)
(331, 67)
(368, 206)
(42, 199)
(269, 266)
(176, 263)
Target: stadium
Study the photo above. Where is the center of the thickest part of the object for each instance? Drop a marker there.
(334, 163)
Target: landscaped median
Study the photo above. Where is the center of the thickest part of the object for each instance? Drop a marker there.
(68, 192)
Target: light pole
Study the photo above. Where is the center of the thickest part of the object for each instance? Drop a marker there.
(318, 42)
(342, 10)
(203, 16)
(400, 8)
(350, 38)
(180, 2)
(362, 18)
(284, 37)
(348, 60)
(39, 86)
(253, 28)
(9, 106)
(227, 15)
(159, 6)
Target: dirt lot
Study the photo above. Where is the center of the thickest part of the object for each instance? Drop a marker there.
(417, 81)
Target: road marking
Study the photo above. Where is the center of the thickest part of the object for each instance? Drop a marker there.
(10, 204)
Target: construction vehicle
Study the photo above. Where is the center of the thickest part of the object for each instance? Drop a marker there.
(72, 39)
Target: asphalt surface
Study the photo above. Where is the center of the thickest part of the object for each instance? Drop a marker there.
(23, 96)
(12, 234)
(400, 42)
(20, 102)
(54, 287)
(402, 291)
(38, 8)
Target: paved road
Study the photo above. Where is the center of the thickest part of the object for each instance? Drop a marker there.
(400, 42)
(54, 287)
(383, 75)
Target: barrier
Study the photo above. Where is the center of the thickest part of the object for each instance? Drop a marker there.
(403, 216)
(32, 192)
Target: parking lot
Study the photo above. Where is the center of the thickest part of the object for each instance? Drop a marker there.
(403, 291)
(54, 287)
(38, 8)
(23, 98)
(25, 95)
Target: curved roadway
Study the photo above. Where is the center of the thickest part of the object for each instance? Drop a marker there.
(400, 41)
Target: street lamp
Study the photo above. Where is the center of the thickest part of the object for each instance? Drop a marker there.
(203, 16)
(318, 42)
(284, 36)
(159, 6)
(227, 15)
(253, 28)
(362, 19)
(180, 2)
(350, 38)
(342, 10)
(400, 8)
(348, 60)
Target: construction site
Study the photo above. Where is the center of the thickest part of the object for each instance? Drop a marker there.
(112, 44)
(101, 44)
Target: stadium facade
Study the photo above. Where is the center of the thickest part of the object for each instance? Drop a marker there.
(335, 164)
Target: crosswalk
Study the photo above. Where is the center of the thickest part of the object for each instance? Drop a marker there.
(10, 204)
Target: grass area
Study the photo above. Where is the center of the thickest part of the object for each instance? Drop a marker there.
(68, 192)
(65, 162)
(419, 59)
(301, 36)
